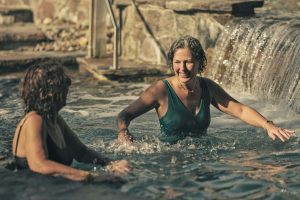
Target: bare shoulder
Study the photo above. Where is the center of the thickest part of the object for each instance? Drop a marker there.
(158, 85)
(33, 117)
(29, 120)
(157, 88)
(32, 123)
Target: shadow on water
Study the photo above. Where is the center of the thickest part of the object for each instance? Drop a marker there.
(27, 185)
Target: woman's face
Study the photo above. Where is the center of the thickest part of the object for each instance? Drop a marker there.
(184, 65)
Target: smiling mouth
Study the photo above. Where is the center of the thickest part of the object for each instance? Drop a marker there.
(184, 75)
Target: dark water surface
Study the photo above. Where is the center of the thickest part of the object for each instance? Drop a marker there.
(233, 161)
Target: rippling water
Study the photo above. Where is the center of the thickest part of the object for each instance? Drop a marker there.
(233, 161)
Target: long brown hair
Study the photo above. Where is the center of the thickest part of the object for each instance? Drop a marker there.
(44, 89)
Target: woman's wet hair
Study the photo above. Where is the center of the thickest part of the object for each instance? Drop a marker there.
(44, 89)
(195, 47)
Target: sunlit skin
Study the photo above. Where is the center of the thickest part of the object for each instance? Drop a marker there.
(187, 87)
(32, 146)
(185, 67)
(31, 134)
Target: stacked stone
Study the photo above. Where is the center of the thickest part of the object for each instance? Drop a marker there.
(62, 36)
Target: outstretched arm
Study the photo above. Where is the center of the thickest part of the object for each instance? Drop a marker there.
(224, 102)
(79, 150)
(86, 155)
(147, 101)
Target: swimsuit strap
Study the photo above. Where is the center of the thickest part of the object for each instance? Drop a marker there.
(17, 142)
(205, 95)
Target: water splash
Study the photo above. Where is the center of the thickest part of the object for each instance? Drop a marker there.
(260, 56)
(232, 161)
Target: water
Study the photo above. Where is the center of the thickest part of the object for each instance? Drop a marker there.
(261, 55)
(233, 161)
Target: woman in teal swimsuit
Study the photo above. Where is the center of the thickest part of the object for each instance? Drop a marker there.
(43, 142)
(182, 101)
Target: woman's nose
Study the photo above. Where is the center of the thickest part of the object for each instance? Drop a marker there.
(182, 65)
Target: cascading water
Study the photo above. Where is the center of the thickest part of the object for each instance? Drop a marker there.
(260, 56)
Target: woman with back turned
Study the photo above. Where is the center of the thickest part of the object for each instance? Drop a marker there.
(43, 142)
(182, 102)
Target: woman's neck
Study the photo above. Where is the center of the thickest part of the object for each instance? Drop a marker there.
(190, 86)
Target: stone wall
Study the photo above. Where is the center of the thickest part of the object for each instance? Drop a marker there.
(150, 26)
(150, 41)
(76, 11)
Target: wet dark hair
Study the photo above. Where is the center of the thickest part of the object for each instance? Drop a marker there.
(44, 89)
(195, 47)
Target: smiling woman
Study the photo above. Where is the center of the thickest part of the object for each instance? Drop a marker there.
(182, 102)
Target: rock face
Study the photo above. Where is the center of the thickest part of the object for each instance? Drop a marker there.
(245, 7)
(18, 32)
(149, 29)
(73, 11)
(63, 36)
(62, 25)
(280, 7)
(13, 37)
(9, 15)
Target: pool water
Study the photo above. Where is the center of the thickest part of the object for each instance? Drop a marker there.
(233, 161)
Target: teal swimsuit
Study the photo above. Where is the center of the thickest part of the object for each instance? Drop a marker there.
(181, 122)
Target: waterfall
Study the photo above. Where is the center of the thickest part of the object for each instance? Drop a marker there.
(261, 56)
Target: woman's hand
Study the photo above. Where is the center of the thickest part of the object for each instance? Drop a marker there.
(119, 167)
(125, 137)
(277, 132)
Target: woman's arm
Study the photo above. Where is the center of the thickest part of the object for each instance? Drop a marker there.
(79, 150)
(84, 154)
(224, 102)
(148, 100)
(36, 156)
